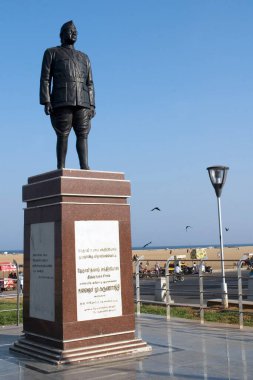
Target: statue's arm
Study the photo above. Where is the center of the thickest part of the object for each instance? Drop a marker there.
(91, 89)
(45, 80)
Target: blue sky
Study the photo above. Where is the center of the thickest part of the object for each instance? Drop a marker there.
(174, 94)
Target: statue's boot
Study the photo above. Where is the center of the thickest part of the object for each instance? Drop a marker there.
(61, 151)
(82, 151)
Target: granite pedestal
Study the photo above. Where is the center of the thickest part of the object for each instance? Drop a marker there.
(78, 292)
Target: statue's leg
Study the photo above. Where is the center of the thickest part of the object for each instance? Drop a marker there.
(61, 119)
(61, 150)
(82, 151)
(81, 125)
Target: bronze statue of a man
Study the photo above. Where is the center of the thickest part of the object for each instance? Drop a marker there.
(71, 100)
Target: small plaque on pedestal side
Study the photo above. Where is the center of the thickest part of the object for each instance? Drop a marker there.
(42, 275)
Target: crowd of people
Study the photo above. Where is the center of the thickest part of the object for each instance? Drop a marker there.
(177, 267)
(12, 275)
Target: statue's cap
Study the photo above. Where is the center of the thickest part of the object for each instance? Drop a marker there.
(67, 25)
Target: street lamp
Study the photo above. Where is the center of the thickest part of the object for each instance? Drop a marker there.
(218, 175)
(18, 289)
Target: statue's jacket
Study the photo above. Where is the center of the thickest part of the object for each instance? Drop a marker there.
(66, 78)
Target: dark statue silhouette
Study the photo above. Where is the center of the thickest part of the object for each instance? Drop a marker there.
(67, 93)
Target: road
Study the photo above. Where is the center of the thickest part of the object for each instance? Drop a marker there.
(187, 292)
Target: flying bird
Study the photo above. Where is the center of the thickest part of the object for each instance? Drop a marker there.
(186, 228)
(155, 208)
(226, 228)
(147, 244)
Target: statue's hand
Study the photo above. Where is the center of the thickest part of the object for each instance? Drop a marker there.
(92, 112)
(48, 108)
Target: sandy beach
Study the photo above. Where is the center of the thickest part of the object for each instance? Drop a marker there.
(19, 258)
(232, 254)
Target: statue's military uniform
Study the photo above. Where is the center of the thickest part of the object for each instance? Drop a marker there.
(71, 72)
(67, 91)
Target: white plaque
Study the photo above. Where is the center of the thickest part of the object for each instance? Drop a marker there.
(42, 277)
(98, 283)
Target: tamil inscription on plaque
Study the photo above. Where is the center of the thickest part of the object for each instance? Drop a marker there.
(98, 282)
(42, 277)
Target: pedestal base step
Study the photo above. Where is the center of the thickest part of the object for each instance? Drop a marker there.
(103, 351)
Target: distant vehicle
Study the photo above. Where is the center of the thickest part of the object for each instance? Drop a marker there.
(205, 268)
(188, 270)
(8, 276)
(178, 259)
(247, 259)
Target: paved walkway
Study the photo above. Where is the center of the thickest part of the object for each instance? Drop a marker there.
(181, 350)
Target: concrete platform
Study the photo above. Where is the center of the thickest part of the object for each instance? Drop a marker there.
(181, 350)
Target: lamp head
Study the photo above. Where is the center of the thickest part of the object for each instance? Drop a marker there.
(218, 175)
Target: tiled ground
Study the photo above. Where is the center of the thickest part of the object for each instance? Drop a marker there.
(181, 350)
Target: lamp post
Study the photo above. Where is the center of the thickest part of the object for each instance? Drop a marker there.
(18, 290)
(218, 175)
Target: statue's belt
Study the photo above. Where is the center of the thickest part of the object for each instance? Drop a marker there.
(69, 80)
